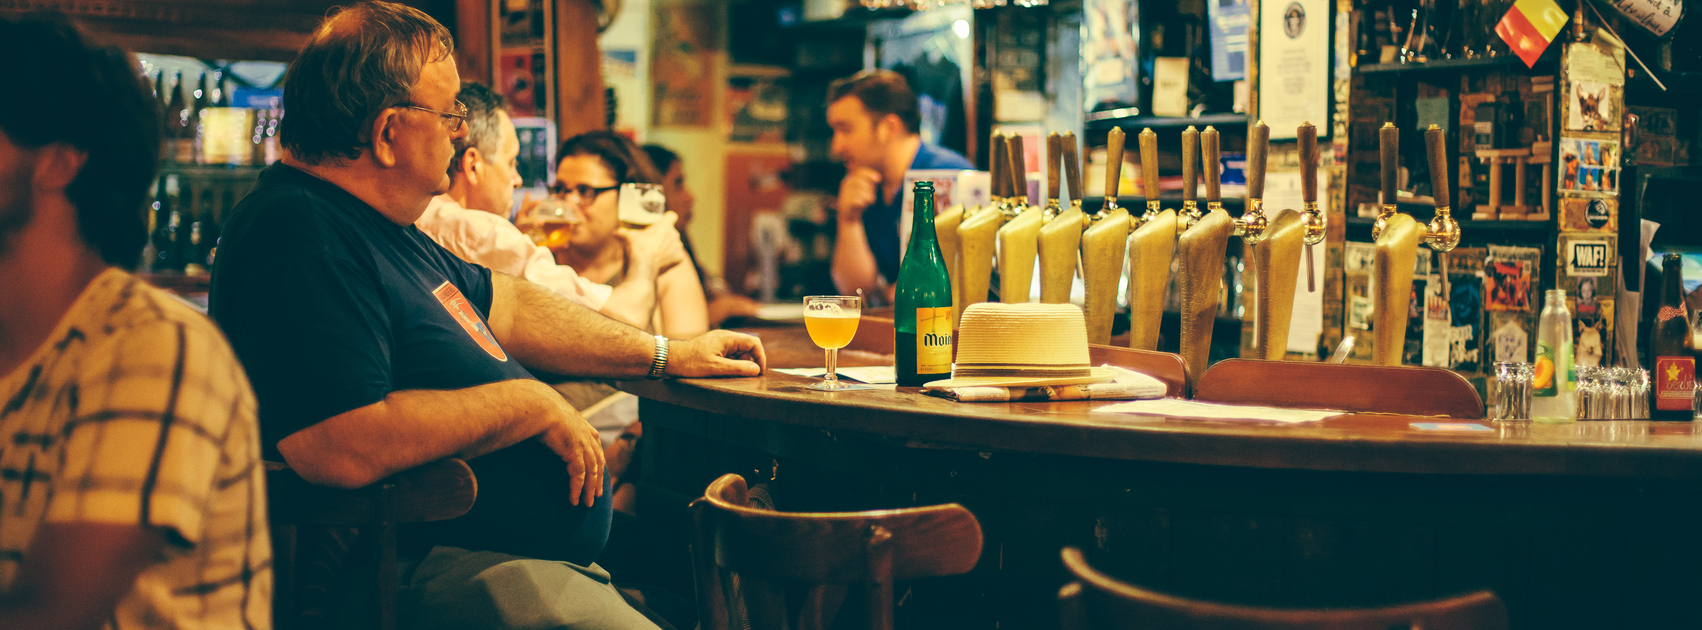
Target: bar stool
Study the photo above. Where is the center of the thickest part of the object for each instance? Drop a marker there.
(1099, 601)
(1405, 389)
(745, 557)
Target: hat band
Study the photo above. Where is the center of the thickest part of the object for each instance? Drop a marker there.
(983, 370)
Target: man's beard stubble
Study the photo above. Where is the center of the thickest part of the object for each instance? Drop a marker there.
(17, 206)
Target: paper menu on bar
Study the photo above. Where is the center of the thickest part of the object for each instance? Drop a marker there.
(1190, 409)
(871, 374)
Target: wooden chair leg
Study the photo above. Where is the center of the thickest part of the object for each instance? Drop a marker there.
(387, 572)
(285, 608)
(880, 564)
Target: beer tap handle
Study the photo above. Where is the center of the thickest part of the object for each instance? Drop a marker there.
(1258, 143)
(1307, 137)
(1072, 168)
(1443, 233)
(1389, 141)
(1054, 147)
(1113, 167)
(1149, 173)
(1018, 172)
(1435, 146)
(996, 163)
(1211, 154)
(1190, 178)
(1251, 225)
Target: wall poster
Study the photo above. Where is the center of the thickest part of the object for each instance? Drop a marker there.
(1294, 66)
(688, 37)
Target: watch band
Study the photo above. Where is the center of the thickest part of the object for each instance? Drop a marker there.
(659, 362)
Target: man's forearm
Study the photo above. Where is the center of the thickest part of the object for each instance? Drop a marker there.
(546, 332)
(414, 427)
(634, 299)
(853, 262)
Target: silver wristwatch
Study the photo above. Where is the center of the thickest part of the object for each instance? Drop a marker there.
(659, 362)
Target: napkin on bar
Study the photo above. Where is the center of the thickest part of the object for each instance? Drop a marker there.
(1129, 385)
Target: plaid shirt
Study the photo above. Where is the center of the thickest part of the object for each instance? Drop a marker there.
(135, 411)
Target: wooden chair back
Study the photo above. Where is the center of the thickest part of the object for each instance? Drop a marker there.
(1418, 391)
(746, 559)
(1098, 601)
(437, 491)
(874, 334)
(1164, 366)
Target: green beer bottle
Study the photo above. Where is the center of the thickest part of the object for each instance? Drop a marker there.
(922, 317)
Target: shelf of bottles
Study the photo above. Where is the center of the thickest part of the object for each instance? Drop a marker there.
(210, 155)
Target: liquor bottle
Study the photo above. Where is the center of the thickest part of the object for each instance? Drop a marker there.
(192, 250)
(922, 315)
(198, 122)
(178, 130)
(149, 252)
(1674, 372)
(166, 220)
(1555, 381)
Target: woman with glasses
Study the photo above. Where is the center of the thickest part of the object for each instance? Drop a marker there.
(590, 168)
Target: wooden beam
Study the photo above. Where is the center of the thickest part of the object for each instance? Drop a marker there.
(578, 70)
(475, 54)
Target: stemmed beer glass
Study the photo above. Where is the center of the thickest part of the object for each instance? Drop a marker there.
(832, 322)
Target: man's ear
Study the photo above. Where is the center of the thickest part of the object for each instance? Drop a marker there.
(383, 130)
(56, 165)
(892, 126)
(470, 160)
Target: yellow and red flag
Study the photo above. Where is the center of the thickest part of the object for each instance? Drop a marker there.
(1530, 26)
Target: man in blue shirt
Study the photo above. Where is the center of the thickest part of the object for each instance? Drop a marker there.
(876, 122)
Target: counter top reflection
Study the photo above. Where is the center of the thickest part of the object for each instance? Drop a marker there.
(1354, 442)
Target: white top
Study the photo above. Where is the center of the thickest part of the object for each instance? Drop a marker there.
(486, 239)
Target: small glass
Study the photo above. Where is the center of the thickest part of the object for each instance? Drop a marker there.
(1513, 391)
(551, 223)
(832, 322)
(1636, 393)
(1592, 399)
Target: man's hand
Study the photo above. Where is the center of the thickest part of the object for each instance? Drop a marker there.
(571, 437)
(717, 353)
(859, 190)
(659, 245)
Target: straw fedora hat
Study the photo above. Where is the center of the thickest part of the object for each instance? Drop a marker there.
(1022, 345)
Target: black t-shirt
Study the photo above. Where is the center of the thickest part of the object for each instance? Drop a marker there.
(331, 306)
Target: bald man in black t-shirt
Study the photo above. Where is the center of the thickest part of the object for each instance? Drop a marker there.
(373, 350)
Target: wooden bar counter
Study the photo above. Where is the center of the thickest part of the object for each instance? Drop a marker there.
(1580, 525)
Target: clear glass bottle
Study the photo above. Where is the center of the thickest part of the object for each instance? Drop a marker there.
(1555, 383)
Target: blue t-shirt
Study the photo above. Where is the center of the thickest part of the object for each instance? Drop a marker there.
(330, 306)
(880, 219)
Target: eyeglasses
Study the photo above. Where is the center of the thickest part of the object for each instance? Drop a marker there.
(586, 192)
(455, 120)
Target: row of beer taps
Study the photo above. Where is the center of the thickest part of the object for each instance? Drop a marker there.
(1013, 234)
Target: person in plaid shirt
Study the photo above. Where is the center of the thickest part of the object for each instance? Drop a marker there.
(131, 489)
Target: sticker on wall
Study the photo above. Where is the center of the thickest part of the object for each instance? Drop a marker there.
(1589, 215)
(1586, 256)
(1591, 107)
(1589, 166)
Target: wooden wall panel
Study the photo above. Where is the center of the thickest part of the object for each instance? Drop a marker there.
(578, 70)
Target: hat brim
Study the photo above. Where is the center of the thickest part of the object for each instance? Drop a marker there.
(1098, 375)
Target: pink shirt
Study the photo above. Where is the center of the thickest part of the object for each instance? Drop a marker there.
(486, 239)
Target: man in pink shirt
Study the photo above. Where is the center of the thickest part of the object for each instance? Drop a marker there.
(471, 221)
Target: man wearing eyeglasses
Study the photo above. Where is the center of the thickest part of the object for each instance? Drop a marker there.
(471, 220)
(373, 350)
